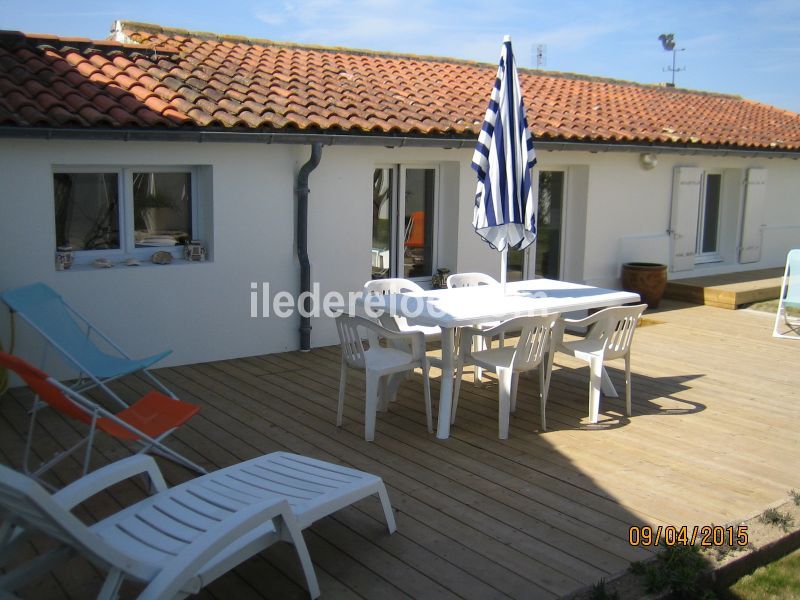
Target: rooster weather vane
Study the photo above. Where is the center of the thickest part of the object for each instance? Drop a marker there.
(668, 43)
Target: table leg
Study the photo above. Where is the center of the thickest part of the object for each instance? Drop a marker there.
(607, 386)
(446, 388)
(389, 389)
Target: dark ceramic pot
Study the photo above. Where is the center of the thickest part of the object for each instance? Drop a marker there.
(649, 280)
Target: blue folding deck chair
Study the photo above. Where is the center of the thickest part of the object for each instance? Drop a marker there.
(74, 338)
(789, 298)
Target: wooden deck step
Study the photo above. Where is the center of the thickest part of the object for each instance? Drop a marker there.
(730, 290)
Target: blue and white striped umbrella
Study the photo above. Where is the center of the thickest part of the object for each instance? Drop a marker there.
(505, 210)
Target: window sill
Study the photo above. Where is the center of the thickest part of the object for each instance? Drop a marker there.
(705, 260)
(122, 266)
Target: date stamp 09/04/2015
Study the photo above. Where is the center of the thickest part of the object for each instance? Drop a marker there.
(685, 535)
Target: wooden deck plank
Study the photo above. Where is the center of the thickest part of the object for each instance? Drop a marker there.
(490, 475)
(711, 439)
(494, 550)
(211, 384)
(729, 290)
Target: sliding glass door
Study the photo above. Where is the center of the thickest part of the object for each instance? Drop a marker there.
(549, 223)
(404, 222)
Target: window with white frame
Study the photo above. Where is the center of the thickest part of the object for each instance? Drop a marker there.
(404, 209)
(124, 212)
(708, 222)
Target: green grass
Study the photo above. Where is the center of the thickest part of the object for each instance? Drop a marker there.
(771, 306)
(777, 581)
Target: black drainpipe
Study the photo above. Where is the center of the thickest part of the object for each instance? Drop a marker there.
(302, 242)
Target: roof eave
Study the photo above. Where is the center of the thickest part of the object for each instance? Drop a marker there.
(394, 140)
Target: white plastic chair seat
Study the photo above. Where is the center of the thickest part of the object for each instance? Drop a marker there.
(388, 359)
(379, 362)
(494, 357)
(583, 349)
(530, 352)
(609, 336)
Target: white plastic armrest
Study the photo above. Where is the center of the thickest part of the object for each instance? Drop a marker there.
(496, 330)
(586, 321)
(418, 346)
(101, 479)
(388, 334)
(177, 574)
(470, 331)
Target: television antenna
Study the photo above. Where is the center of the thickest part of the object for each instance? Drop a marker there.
(668, 43)
(539, 55)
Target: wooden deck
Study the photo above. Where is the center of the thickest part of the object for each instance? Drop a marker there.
(730, 290)
(713, 438)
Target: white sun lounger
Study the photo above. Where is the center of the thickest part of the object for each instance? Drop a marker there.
(182, 538)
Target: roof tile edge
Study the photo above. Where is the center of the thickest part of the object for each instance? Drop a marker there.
(211, 36)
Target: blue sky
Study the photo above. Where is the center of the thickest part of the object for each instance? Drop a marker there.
(749, 48)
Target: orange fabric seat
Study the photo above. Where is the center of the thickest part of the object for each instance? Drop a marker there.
(153, 414)
(147, 421)
(416, 237)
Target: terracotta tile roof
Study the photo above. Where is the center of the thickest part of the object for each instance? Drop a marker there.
(181, 80)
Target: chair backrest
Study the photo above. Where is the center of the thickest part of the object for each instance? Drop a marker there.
(352, 344)
(534, 340)
(39, 383)
(616, 325)
(792, 278)
(458, 280)
(395, 285)
(25, 503)
(415, 236)
(47, 312)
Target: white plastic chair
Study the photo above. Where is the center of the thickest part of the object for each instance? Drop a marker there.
(460, 280)
(457, 280)
(383, 287)
(180, 539)
(789, 298)
(609, 336)
(531, 351)
(378, 363)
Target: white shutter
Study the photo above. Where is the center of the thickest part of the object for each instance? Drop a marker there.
(683, 219)
(755, 197)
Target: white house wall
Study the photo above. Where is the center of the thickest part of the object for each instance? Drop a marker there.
(615, 212)
(627, 212)
(200, 310)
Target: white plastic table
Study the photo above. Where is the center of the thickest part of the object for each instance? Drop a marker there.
(460, 307)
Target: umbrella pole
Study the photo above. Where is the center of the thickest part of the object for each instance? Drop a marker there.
(504, 268)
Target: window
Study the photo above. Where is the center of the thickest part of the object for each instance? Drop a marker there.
(123, 212)
(549, 219)
(404, 222)
(709, 218)
(87, 210)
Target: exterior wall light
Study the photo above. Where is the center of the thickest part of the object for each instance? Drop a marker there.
(648, 160)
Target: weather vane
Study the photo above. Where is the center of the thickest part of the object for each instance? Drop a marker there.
(668, 43)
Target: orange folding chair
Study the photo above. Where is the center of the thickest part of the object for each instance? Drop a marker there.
(147, 421)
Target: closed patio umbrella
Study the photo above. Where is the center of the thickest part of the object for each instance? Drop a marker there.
(505, 211)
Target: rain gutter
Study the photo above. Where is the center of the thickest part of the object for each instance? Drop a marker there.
(386, 140)
(302, 190)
